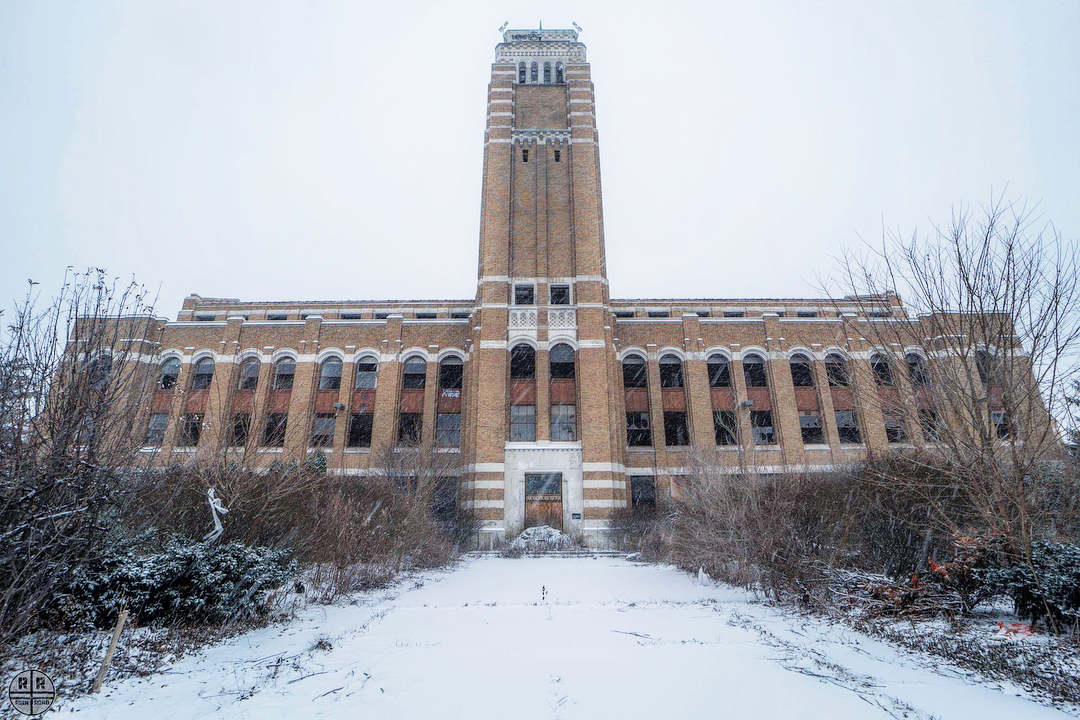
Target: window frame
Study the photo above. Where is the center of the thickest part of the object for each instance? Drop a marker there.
(522, 429)
(753, 360)
(279, 377)
(167, 363)
(636, 361)
(642, 430)
(671, 371)
(518, 363)
(200, 379)
(763, 433)
(564, 422)
(359, 372)
(414, 379)
(562, 369)
(803, 362)
(247, 381)
(331, 381)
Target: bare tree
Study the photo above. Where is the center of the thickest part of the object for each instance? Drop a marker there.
(73, 383)
(974, 367)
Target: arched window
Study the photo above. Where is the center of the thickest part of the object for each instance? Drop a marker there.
(367, 373)
(719, 371)
(522, 362)
(558, 72)
(170, 371)
(534, 72)
(330, 374)
(917, 370)
(547, 73)
(634, 373)
(802, 371)
(521, 73)
(204, 373)
(754, 371)
(284, 370)
(836, 369)
(671, 375)
(451, 372)
(562, 362)
(414, 374)
(99, 371)
(882, 371)
(249, 374)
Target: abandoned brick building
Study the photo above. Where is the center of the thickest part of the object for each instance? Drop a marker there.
(560, 399)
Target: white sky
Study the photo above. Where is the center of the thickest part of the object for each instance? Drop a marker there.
(332, 150)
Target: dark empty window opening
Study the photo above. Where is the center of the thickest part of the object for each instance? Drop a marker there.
(634, 372)
(642, 491)
(426, 316)
(522, 363)
(274, 431)
(638, 432)
(754, 372)
(170, 371)
(241, 429)
(806, 313)
(204, 373)
(547, 73)
(761, 423)
(155, 431)
(381, 315)
(451, 372)
(882, 371)
(810, 423)
(521, 73)
(560, 294)
(322, 430)
(928, 421)
(847, 426)
(562, 362)
(524, 295)
(917, 370)
(410, 426)
(836, 369)
(676, 431)
(414, 374)
(205, 318)
(725, 427)
(558, 156)
(894, 426)
(190, 429)
(671, 373)
(659, 313)
(703, 313)
(734, 313)
(719, 371)
(360, 425)
(525, 155)
(277, 316)
(284, 371)
(459, 315)
(624, 313)
(802, 372)
(1002, 424)
(351, 316)
(880, 314)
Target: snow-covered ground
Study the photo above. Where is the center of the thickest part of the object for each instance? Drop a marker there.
(566, 637)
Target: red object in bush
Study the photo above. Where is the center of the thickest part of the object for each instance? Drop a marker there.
(1013, 629)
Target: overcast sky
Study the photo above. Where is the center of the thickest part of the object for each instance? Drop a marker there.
(332, 150)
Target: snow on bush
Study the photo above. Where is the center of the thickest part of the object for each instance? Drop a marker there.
(1056, 590)
(186, 582)
(542, 538)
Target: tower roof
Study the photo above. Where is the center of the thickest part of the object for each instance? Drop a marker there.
(540, 43)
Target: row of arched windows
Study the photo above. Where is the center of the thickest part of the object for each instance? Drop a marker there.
(534, 72)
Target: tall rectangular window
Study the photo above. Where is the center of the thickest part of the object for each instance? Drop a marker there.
(894, 426)
(410, 426)
(928, 420)
(847, 424)
(524, 156)
(274, 431)
(524, 295)
(560, 294)
(522, 423)
(564, 423)
(810, 423)
(367, 373)
(642, 491)
(190, 429)
(322, 430)
(155, 430)
(360, 425)
(638, 432)
(725, 427)
(558, 156)
(241, 429)
(676, 431)
(1002, 424)
(761, 423)
(448, 430)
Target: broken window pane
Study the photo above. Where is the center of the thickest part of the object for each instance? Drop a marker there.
(761, 424)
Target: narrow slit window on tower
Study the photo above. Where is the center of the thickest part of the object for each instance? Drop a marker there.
(558, 72)
(534, 72)
(524, 155)
(521, 73)
(558, 156)
(547, 73)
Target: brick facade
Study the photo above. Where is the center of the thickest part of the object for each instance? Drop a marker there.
(541, 231)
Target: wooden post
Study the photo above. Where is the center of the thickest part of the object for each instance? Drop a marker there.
(112, 648)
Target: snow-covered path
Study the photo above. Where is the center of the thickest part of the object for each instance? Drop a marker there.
(612, 638)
